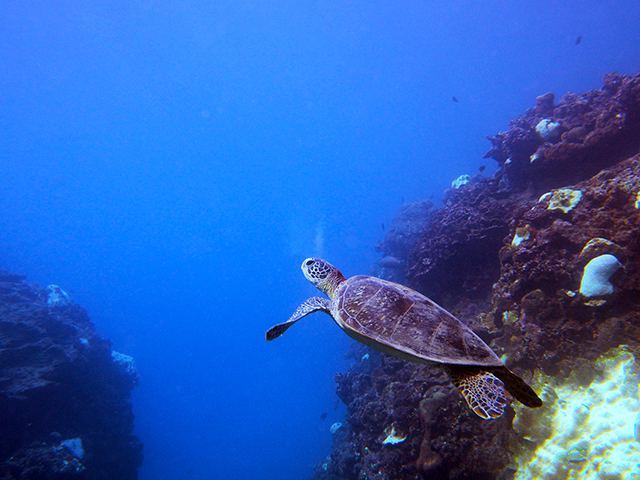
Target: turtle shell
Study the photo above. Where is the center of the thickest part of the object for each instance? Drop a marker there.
(397, 320)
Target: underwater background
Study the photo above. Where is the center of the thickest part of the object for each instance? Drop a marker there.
(170, 165)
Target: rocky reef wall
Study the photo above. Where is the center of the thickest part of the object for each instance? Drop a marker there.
(64, 395)
(542, 260)
(553, 145)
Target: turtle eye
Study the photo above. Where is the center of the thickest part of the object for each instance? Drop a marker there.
(309, 263)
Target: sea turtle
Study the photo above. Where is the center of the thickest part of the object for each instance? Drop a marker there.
(399, 321)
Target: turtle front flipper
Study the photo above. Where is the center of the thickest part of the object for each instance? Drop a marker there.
(313, 304)
(483, 391)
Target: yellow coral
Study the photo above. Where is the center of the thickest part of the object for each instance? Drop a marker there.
(522, 234)
(564, 199)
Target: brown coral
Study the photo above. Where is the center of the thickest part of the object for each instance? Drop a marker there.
(521, 297)
(599, 129)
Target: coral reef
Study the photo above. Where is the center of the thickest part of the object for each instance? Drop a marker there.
(420, 406)
(578, 440)
(405, 230)
(460, 181)
(541, 277)
(508, 255)
(64, 401)
(591, 131)
(455, 255)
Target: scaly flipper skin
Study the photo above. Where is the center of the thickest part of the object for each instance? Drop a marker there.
(483, 392)
(313, 304)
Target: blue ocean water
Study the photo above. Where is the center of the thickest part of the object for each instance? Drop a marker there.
(170, 165)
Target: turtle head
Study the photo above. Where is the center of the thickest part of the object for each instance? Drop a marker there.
(324, 276)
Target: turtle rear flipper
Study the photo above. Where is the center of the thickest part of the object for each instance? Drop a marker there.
(517, 387)
(483, 391)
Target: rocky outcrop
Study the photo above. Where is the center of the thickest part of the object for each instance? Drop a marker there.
(435, 435)
(507, 255)
(536, 301)
(593, 130)
(405, 230)
(455, 256)
(64, 402)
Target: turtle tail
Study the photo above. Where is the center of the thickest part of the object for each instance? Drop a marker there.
(517, 387)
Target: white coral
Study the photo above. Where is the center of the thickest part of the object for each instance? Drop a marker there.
(126, 362)
(460, 181)
(547, 129)
(595, 279)
(57, 297)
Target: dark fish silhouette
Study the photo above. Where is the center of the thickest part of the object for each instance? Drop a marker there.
(383, 227)
(578, 40)
(454, 99)
(481, 168)
(323, 416)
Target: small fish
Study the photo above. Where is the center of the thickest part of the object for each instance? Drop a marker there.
(481, 168)
(454, 99)
(578, 40)
(323, 416)
(402, 199)
(383, 227)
